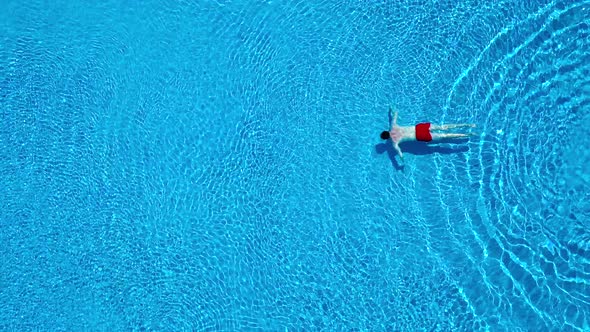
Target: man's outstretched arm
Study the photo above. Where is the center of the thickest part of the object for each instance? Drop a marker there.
(394, 116)
(399, 151)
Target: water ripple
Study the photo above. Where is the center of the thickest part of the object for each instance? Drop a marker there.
(529, 165)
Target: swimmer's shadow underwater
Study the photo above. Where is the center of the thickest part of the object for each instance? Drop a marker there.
(420, 148)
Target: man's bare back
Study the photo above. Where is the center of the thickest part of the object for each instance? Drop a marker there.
(420, 132)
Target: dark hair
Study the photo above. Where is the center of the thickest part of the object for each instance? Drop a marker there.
(385, 135)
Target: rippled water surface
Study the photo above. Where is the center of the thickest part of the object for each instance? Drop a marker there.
(217, 166)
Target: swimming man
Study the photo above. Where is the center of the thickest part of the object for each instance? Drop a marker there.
(421, 132)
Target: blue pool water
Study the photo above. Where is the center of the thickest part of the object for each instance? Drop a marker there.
(217, 166)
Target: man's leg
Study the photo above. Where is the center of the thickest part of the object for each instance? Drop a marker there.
(451, 126)
(443, 136)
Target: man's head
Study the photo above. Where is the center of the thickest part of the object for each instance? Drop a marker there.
(385, 135)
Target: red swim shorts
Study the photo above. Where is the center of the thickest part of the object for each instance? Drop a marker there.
(423, 132)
